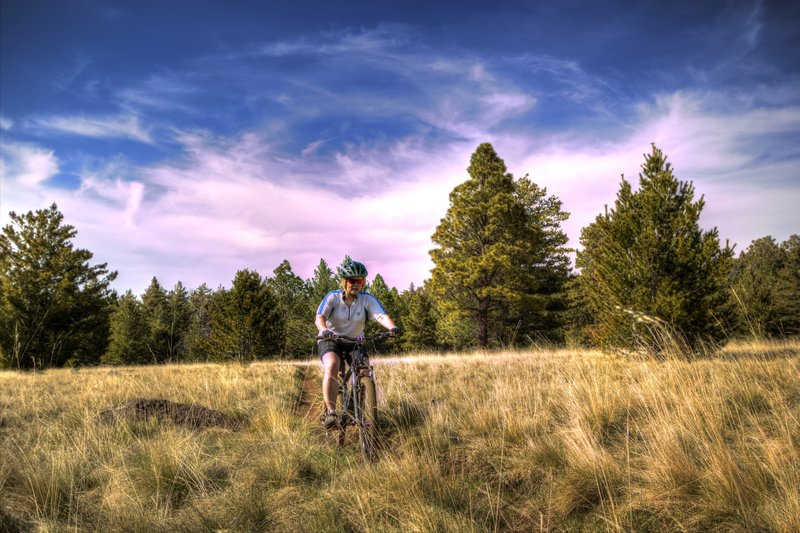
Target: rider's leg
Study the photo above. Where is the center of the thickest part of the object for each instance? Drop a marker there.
(330, 380)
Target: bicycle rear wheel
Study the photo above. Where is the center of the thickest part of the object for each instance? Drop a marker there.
(368, 425)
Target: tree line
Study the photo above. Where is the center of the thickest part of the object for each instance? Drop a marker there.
(502, 277)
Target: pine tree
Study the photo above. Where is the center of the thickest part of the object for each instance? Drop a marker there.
(293, 302)
(178, 317)
(539, 313)
(500, 261)
(391, 302)
(788, 283)
(766, 288)
(199, 328)
(322, 283)
(419, 326)
(754, 288)
(388, 297)
(129, 332)
(647, 263)
(156, 313)
(54, 306)
(153, 330)
(579, 320)
(246, 323)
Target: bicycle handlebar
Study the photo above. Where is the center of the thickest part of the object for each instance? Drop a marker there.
(377, 336)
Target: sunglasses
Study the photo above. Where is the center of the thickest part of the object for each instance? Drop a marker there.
(355, 280)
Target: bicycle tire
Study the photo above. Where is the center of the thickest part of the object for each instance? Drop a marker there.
(368, 425)
(340, 436)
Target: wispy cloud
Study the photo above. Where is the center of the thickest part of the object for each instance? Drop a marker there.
(168, 90)
(723, 149)
(384, 74)
(313, 147)
(67, 74)
(115, 185)
(113, 127)
(26, 165)
(216, 207)
(371, 41)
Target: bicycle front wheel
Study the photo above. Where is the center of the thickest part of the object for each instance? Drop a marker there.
(341, 431)
(368, 425)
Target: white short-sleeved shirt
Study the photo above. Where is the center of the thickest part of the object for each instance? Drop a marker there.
(350, 320)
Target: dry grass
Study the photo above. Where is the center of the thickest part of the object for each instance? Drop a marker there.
(515, 441)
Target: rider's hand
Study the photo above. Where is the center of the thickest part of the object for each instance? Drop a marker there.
(394, 332)
(327, 334)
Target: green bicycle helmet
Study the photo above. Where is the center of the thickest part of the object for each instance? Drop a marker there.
(351, 269)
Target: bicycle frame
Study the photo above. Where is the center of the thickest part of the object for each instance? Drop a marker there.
(348, 386)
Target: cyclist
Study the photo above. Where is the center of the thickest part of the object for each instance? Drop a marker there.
(345, 312)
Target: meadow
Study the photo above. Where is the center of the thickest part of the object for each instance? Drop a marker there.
(537, 440)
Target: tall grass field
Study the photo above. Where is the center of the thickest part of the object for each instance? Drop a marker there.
(513, 441)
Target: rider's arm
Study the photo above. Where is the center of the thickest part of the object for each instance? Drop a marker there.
(321, 324)
(385, 321)
(376, 312)
(325, 310)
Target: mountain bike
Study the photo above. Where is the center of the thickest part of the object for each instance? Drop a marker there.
(356, 401)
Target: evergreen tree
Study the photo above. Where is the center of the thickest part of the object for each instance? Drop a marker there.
(158, 324)
(129, 333)
(539, 312)
(198, 330)
(156, 312)
(766, 289)
(322, 283)
(788, 294)
(388, 297)
(754, 287)
(500, 262)
(392, 304)
(647, 262)
(419, 326)
(54, 306)
(178, 317)
(579, 320)
(293, 304)
(246, 323)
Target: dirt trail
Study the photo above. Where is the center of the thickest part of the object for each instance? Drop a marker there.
(309, 399)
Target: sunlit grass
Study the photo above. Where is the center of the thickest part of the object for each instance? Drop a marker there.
(511, 441)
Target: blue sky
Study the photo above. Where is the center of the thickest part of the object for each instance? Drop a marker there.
(189, 140)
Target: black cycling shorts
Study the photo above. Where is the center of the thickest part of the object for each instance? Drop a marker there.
(343, 350)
